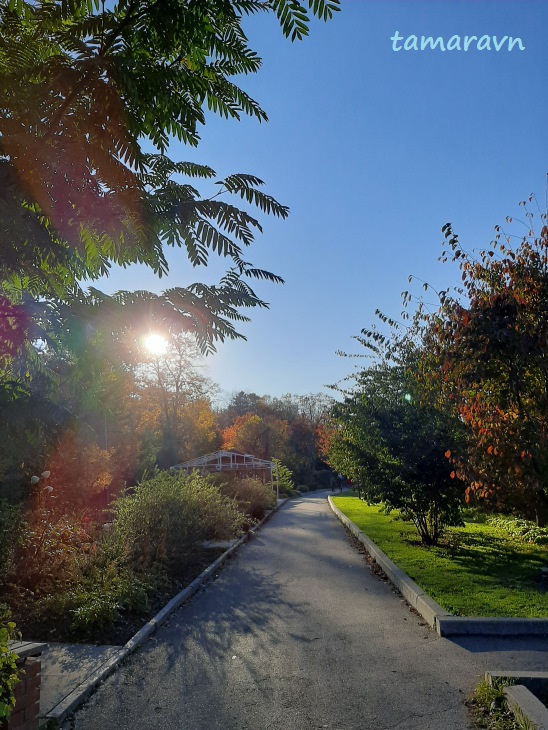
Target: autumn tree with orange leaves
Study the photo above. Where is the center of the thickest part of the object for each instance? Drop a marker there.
(266, 437)
(485, 351)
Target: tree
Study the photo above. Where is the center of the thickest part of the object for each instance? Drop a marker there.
(303, 414)
(85, 87)
(285, 483)
(241, 404)
(314, 407)
(173, 384)
(202, 434)
(306, 428)
(486, 354)
(393, 447)
(91, 94)
(262, 437)
(33, 418)
(302, 449)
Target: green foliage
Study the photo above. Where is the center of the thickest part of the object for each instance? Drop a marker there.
(94, 610)
(163, 521)
(100, 602)
(84, 86)
(395, 448)
(519, 529)
(480, 357)
(10, 526)
(322, 479)
(252, 496)
(52, 549)
(490, 710)
(100, 595)
(9, 673)
(31, 421)
(73, 574)
(285, 478)
(71, 577)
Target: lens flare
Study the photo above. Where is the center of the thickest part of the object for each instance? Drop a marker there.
(155, 344)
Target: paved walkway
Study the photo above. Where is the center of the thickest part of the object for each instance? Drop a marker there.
(66, 666)
(297, 633)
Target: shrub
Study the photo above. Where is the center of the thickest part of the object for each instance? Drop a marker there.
(96, 604)
(52, 549)
(94, 610)
(219, 513)
(285, 479)
(522, 530)
(9, 673)
(10, 526)
(166, 518)
(302, 488)
(252, 496)
(71, 575)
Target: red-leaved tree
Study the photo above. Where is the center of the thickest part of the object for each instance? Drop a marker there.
(486, 352)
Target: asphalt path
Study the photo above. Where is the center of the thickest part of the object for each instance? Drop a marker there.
(295, 633)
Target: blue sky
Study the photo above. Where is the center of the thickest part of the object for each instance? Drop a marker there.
(374, 151)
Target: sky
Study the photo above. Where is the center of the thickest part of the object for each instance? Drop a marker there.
(373, 150)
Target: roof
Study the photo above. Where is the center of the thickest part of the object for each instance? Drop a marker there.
(225, 461)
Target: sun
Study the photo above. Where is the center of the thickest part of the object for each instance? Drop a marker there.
(155, 344)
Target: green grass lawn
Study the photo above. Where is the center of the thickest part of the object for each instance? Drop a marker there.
(475, 571)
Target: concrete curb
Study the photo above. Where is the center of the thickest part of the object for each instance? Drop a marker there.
(72, 701)
(442, 621)
(413, 594)
(522, 695)
(527, 708)
(463, 626)
(537, 682)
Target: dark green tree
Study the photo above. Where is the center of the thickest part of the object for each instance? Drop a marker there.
(393, 446)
